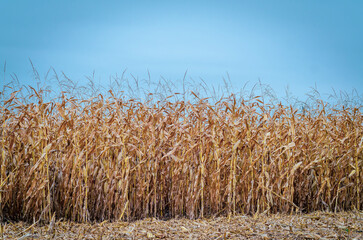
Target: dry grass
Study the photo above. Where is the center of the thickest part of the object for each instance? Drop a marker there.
(111, 159)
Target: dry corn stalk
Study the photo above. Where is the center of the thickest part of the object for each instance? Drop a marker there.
(111, 159)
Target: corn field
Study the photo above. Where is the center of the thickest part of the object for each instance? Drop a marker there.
(113, 159)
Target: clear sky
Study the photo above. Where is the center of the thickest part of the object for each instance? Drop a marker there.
(282, 43)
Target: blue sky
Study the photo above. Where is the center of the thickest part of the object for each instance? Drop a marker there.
(298, 44)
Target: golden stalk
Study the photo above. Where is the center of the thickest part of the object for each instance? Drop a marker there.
(111, 159)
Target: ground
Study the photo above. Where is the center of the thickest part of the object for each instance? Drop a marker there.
(318, 225)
